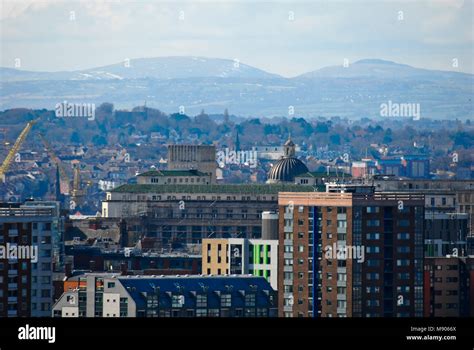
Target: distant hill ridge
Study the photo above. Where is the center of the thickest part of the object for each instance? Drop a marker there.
(214, 84)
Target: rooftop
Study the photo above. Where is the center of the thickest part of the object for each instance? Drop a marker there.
(237, 189)
(139, 286)
(324, 174)
(190, 172)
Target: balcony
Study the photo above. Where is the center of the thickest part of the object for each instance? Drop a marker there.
(341, 283)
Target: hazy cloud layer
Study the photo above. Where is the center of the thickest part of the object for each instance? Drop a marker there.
(283, 37)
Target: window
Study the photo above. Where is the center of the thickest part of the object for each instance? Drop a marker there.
(250, 299)
(341, 304)
(213, 313)
(373, 262)
(177, 300)
(403, 236)
(261, 312)
(226, 300)
(341, 236)
(373, 209)
(110, 284)
(201, 313)
(404, 276)
(372, 276)
(342, 277)
(373, 249)
(374, 236)
(341, 223)
(403, 223)
(373, 303)
(372, 289)
(403, 262)
(403, 289)
(373, 223)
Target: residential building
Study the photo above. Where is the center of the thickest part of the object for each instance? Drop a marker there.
(107, 295)
(350, 254)
(26, 286)
(449, 289)
(240, 256)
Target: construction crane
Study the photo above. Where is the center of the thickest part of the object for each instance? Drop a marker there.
(65, 181)
(16, 147)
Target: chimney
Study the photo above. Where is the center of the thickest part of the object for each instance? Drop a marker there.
(269, 225)
(92, 265)
(123, 233)
(123, 269)
(68, 269)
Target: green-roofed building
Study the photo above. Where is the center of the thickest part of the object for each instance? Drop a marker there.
(186, 213)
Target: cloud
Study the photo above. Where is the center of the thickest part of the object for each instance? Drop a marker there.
(257, 32)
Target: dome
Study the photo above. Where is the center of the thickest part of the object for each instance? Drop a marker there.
(286, 169)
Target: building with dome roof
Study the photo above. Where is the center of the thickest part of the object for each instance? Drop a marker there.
(288, 167)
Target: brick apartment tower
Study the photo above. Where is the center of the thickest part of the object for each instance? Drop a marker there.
(389, 229)
(449, 286)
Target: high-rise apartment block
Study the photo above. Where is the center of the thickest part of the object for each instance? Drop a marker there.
(449, 287)
(26, 259)
(350, 254)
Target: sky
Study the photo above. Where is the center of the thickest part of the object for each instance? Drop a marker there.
(283, 37)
